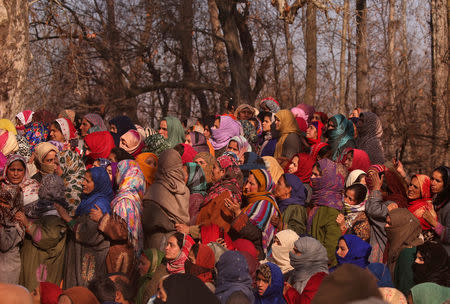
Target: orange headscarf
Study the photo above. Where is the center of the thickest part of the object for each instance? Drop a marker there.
(149, 171)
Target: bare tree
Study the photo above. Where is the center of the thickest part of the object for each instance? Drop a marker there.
(362, 59)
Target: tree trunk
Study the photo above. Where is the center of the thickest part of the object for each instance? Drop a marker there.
(289, 54)
(439, 74)
(390, 54)
(15, 56)
(342, 74)
(311, 54)
(362, 59)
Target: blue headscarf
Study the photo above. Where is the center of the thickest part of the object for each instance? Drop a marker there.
(252, 161)
(274, 292)
(232, 276)
(358, 251)
(382, 273)
(101, 196)
(298, 194)
(338, 137)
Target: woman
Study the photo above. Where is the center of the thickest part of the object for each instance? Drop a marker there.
(206, 161)
(440, 188)
(431, 264)
(238, 145)
(314, 132)
(354, 219)
(404, 234)
(225, 128)
(269, 104)
(98, 145)
(172, 130)
(291, 141)
(356, 177)
(44, 246)
(265, 138)
(283, 243)
(72, 172)
(124, 226)
(419, 196)
(36, 133)
(23, 119)
(92, 123)
(309, 259)
(77, 295)
(301, 166)
(273, 167)
(148, 163)
(198, 141)
(429, 293)
(8, 142)
(150, 260)
(166, 201)
(353, 250)
(120, 125)
(340, 134)
(62, 130)
(320, 116)
(233, 278)
(291, 196)
(244, 112)
(369, 137)
(355, 159)
(200, 263)
(132, 142)
(327, 185)
(196, 182)
(269, 284)
(187, 152)
(87, 246)
(46, 160)
(156, 144)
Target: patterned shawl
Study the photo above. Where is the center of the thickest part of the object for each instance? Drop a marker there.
(196, 179)
(177, 265)
(156, 144)
(73, 172)
(98, 125)
(341, 135)
(327, 189)
(36, 133)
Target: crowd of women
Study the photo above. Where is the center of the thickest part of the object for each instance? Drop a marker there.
(256, 205)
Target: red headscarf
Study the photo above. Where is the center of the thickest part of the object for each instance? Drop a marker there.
(49, 293)
(188, 155)
(316, 148)
(360, 161)
(319, 127)
(244, 245)
(417, 207)
(302, 124)
(206, 260)
(212, 232)
(395, 184)
(100, 144)
(305, 164)
(323, 116)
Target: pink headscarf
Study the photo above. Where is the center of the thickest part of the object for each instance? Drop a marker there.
(132, 142)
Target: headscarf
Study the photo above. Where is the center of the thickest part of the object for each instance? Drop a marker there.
(323, 117)
(369, 137)
(204, 264)
(392, 295)
(396, 186)
(67, 128)
(404, 231)
(233, 275)
(188, 154)
(198, 142)
(40, 153)
(7, 125)
(288, 125)
(313, 259)
(128, 201)
(340, 136)
(8, 142)
(358, 251)
(271, 103)
(228, 128)
(36, 133)
(319, 127)
(80, 295)
(156, 144)
(175, 131)
(210, 161)
(97, 123)
(249, 132)
(123, 125)
(423, 202)
(73, 172)
(24, 147)
(12, 197)
(280, 253)
(155, 257)
(308, 109)
(177, 265)
(381, 272)
(252, 161)
(49, 293)
(148, 171)
(132, 142)
(430, 293)
(327, 189)
(25, 117)
(274, 168)
(274, 292)
(435, 267)
(299, 113)
(69, 114)
(243, 106)
(169, 189)
(360, 161)
(352, 177)
(196, 181)
(29, 186)
(243, 145)
(315, 149)
(101, 196)
(304, 168)
(187, 289)
(100, 144)
(298, 193)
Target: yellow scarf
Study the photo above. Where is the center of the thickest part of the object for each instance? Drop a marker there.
(288, 125)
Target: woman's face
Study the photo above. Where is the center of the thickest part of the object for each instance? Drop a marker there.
(251, 186)
(316, 117)
(109, 171)
(144, 265)
(15, 172)
(245, 114)
(293, 166)
(50, 158)
(414, 189)
(282, 191)
(348, 160)
(315, 172)
(419, 258)
(437, 182)
(342, 249)
(172, 250)
(87, 183)
(113, 128)
(188, 139)
(233, 147)
(206, 132)
(311, 132)
(331, 125)
(349, 197)
(163, 129)
(266, 123)
(84, 127)
(217, 173)
(56, 134)
(201, 162)
(296, 251)
(277, 124)
(261, 284)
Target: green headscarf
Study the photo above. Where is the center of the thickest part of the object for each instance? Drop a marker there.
(155, 257)
(430, 293)
(175, 131)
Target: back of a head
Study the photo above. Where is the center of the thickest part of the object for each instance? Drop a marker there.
(238, 297)
(348, 283)
(14, 294)
(103, 288)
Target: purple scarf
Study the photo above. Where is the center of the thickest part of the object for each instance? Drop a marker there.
(327, 189)
(227, 129)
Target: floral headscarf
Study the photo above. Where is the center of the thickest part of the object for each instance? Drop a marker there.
(73, 172)
(271, 103)
(243, 145)
(156, 144)
(250, 132)
(36, 133)
(24, 147)
(128, 202)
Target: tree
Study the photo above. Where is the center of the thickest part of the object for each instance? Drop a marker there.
(362, 59)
